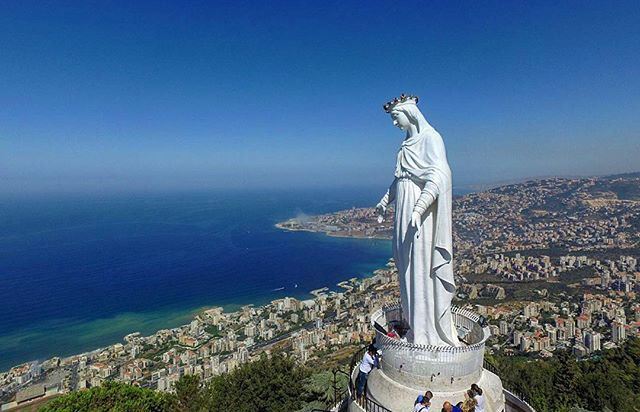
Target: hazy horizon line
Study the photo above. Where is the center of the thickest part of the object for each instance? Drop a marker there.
(189, 187)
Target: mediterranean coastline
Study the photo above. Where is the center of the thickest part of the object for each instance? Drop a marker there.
(176, 246)
(148, 323)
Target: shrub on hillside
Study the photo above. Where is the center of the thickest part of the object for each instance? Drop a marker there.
(112, 396)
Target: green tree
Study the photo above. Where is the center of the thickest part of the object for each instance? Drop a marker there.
(566, 380)
(273, 384)
(189, 394)
(112, 396)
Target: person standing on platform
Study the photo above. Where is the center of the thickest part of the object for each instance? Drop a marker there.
(478, 397)
(470, 403)
(423, 406)
(369, 361)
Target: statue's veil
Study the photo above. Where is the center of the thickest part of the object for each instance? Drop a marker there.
(415, 116)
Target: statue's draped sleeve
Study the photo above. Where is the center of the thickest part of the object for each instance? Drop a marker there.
(427, 197)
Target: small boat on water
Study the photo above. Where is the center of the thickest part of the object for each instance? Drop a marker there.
(278, 289)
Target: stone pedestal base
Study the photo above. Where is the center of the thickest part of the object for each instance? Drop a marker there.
(398, 397)
(408, 370)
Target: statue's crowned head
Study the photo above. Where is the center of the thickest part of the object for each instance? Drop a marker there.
(404, 112)
(403, 99)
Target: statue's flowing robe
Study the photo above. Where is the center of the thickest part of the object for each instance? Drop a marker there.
(424, 256)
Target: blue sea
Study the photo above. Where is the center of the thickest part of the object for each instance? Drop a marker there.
(80, 272)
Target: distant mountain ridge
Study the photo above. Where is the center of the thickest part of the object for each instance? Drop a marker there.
(482, 187)
(623, 186)
(623, 175)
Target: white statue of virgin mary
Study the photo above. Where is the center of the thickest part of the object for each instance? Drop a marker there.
(422, 240)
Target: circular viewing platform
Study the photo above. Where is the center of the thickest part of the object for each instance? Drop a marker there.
(406, 370)
(438, 367)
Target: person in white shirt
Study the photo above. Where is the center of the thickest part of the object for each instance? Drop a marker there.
(369, 361)
(423, 406)
(478, 397)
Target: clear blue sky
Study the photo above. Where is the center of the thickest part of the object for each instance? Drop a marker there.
(161, 95)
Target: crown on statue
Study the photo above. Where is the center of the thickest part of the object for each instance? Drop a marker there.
(391, 104)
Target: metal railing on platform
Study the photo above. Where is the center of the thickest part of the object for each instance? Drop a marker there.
(496, 370)
(372, 406)
(369, 405)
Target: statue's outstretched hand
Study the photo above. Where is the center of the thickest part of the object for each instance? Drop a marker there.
(380, 211)
(416, 220)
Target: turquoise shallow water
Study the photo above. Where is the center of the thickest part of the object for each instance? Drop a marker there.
(79, 273)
